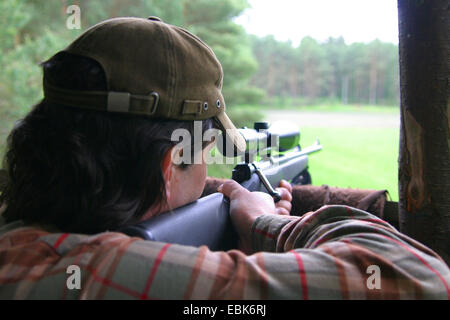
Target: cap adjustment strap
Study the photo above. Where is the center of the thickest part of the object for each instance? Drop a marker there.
(118, 101)
(131, 103)
(103, 101)
(192, 107)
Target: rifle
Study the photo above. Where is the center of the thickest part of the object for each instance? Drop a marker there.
(273, 153)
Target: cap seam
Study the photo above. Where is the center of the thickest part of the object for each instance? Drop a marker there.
(169, 50)
(173, 80)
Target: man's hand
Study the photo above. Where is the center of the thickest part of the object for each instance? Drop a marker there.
(246, 206)
(284, 206)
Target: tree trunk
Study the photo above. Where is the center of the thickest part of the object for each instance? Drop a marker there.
(344, 92)
(373, 80)
(424, 159)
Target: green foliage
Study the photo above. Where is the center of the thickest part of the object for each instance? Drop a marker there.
(12, 18)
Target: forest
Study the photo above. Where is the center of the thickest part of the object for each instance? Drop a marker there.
(333, 71)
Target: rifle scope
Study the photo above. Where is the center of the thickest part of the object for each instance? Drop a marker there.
(281, 136)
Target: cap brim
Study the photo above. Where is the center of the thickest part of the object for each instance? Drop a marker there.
(231, 132)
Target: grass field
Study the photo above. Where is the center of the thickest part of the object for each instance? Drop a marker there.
(363, 158)
(356, 157)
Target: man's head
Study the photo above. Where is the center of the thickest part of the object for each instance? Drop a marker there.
(96, 153)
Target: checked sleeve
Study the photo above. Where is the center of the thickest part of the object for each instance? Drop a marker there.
(341, 250)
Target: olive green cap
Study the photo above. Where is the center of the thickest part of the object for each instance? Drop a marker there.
(152, 69)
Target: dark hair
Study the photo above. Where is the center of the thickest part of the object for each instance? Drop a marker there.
(84, 171)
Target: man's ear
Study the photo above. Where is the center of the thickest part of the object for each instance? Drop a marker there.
(172, 156)
(167, 168)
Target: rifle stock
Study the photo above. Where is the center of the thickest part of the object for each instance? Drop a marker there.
(202, 222)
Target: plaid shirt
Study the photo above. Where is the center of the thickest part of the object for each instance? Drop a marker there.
(336, 252)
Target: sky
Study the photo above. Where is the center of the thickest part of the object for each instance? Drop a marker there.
(355, 20)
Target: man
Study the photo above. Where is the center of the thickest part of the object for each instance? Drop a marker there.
(97, 154)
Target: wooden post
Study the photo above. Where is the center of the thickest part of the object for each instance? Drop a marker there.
(424, 158)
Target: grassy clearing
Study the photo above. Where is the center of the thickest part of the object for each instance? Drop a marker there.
(363, 158)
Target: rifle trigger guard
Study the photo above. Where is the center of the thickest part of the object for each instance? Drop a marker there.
(275, 194)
